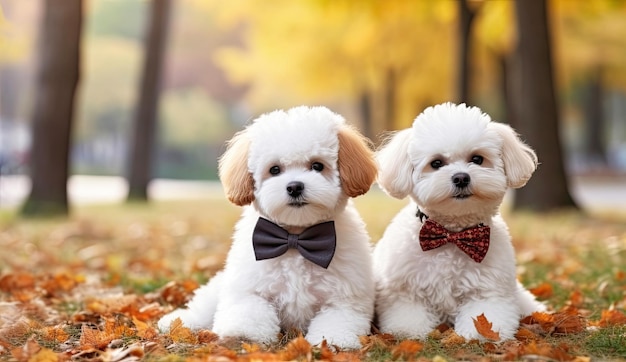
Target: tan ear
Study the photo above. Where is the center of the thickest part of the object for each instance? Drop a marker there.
(233, 171)
(520, 161)
(357, 167)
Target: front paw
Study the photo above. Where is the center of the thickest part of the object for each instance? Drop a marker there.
(504, 319)
(407, 320)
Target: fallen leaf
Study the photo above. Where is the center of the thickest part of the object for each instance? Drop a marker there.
(379, 340)
(576, 299)
(612, 317)
(28, 350)
(181, 334)
(484, 328)
(406, 350)
(16, 281)
(525, 334)
(94, 338)
(297, 348)
(205, 336)
(450, 339)
(543, 291)
(44, 355)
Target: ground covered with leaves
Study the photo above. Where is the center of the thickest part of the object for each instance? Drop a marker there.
(92, 288)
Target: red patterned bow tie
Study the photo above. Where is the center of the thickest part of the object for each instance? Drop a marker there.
(473, 241)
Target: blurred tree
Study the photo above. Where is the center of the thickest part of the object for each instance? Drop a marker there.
(144, 133)
(466, 15)
(58, 74)
(536, 111)
(593, 59)
(389, 59)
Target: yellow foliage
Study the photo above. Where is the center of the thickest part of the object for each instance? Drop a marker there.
(328, 51)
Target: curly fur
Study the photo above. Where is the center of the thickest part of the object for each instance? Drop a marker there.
(255, 300)
(417, 290)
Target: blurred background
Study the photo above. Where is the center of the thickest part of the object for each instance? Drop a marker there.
(378, 63)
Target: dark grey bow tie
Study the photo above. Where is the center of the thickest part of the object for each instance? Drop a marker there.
(317, 243)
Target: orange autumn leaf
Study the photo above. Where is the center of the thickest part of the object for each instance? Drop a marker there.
(61, 282)
(568, 321)
(406, 350)
(16, 281)
(451, 339)
(542, 291)
(612, 317)
(54, 334)
(563, 322)
(27, 351)
(250, 348)
(525, 334)
(326, 353)
(44, 355)
(297, 348)
(484, 328)
(379, 340)
(205, 336)
(94, 338)
(180, 333)
(576, 299)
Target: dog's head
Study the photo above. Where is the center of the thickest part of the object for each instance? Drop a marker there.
(455, 160)
(297, 166)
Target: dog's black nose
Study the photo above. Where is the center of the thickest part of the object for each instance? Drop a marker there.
(295, 188)
(461, 179)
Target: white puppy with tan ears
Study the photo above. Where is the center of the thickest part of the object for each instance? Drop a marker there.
(301, 256)
(447, 257)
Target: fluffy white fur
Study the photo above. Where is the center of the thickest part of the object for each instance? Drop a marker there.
(417, 290)
(255, 300)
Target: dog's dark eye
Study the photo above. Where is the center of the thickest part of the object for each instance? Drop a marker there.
(477, 159)
(436, 164)
(317, 166)
(274, 170)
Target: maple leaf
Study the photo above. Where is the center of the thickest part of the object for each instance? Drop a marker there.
(484, 328)
(298, 347)
(543, 291)
(379, 340)
(450, 339)
(54, 334)
(28, 350)
(406, 350)
(612, 317)
(93, 338)
(16, 281)
(205, 336)
(181, 334)
(525, 334)
(44, 355)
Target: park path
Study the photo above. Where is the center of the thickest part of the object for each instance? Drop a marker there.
(599, 193)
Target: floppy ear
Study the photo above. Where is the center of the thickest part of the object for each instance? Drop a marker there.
(520, 161)
(233, 171)
(357, 168)
(394, 165)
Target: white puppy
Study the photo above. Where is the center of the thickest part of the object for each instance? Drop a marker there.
(456, 165)
(297, 171)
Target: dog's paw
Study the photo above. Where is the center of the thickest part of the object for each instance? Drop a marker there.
(502, 314)
(407, 320)
(340, 341)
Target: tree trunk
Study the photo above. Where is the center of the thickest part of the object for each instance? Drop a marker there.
(466, 18)
(594, 120)
(57, 79)
(145, 123)
(537, 117)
